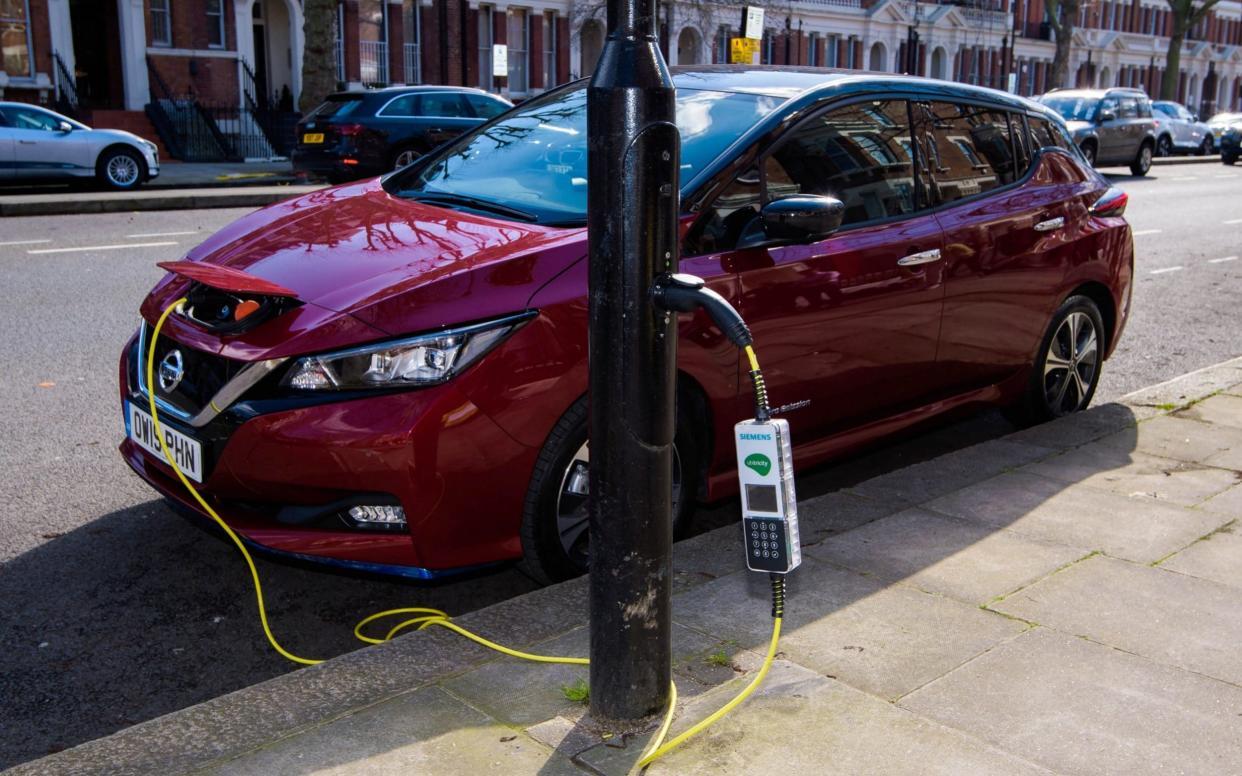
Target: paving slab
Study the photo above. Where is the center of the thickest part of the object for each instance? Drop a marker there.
(426, 731)
(1130, 473)
(802, 722)
(1217, 556)
(1180, 439)
(1190, 387)
(945, 474)
(834, 513)
(1083, 427)
(1171, 618)
(1234, 390)
(1222, 409)
(1133, 528)
(1086, 709)
(883, 639)
(1227, 503)
(957, 558)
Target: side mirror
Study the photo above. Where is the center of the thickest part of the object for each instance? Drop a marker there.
(64, 126)
(794, 220)
(1106, 116)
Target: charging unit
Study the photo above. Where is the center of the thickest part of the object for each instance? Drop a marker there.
(769, 504)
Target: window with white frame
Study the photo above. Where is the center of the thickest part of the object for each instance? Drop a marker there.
(413, 28)
(722, 43)
(769, 48)
(487, 37)
(15, 38)
(813, 54)
(161, 23)
(519, 51)
(215, 23)
(830, 55)
(549, 49)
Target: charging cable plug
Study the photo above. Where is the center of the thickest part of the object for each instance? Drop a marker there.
(682, 293)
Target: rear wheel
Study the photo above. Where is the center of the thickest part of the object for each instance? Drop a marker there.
(555, 539)
(1229, 159)
(1142, 162)
(1207, 146)
(1067, 370)
(1088, 151)
(1164, 146)
(404, 157)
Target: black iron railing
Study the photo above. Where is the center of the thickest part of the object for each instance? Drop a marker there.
(66, 88)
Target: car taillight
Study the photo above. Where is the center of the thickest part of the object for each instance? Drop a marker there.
(349, 130)
(1111, 203)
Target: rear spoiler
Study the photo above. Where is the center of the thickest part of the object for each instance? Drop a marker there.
(226, 279)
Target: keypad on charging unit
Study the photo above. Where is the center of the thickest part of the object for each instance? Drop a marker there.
(765, 544)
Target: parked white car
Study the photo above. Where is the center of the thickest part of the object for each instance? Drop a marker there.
(1180, 131)
(37, 144)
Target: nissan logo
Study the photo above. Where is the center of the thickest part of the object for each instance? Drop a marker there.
(171, 371)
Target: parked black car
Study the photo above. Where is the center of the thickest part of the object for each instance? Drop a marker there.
(1231, 142)
(1111, 126)
(359, 134)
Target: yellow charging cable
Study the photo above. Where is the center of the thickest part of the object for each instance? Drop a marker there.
(428, 617)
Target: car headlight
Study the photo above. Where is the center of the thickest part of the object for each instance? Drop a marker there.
(427, 359)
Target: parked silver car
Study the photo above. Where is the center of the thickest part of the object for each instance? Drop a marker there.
(1110, 126)
(37, 144)
(1180, 131)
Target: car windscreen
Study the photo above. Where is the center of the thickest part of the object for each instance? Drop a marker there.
(532, 161)
(336, 106)
(1225, 118)
(1073, 108)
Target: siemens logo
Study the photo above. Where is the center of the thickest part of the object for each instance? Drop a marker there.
(763, 437)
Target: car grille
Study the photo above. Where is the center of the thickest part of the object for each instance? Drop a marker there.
(203, 374)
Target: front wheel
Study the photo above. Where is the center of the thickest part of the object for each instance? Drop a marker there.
(120, 169)
(1164, 146)
(1229, 159)
(1207, 147)
(555, 539)
(1142, 162)
(404, 158)
(1088, 152)
(1067, 370)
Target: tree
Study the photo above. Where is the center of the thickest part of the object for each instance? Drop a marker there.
(1186, 14)
(1062, 15)
(318, 57)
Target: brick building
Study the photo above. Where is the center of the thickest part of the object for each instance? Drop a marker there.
(133, 58)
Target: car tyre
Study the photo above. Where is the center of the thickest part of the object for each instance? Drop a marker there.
(403, 157)
(1088, 152)
(1067, 366)
(1229, 159)
(1164, 146)
(1206, 147)
(1142, 162)
(554, 533)
(120, 169)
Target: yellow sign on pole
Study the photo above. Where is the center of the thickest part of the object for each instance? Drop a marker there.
(743, 51)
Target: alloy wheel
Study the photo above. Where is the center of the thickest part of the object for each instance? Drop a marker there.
(405, 158)
(122, 171)
(572, 515)
(1088, 151)
(1145, 158)
(1164, 147)
(1071, 364)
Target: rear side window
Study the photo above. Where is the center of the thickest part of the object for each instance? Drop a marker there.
(486, 107)
(336, 107)
(970, 150)
(447, 104)
(1128, 108)
(404, 105)
(1046, 135)
(1021, 145)
(859, 154)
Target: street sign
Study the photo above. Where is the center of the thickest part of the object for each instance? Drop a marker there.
(753, 26)
(500, 60)
(743, 51)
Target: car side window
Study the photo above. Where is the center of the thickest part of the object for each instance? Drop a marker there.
(27, 118)
(404, 105)
(972, 150)
(1128, 108)
(1108, 104)
(859, 154)
(1021, 145)
(448, 104)
(1144, 108)
(486, 107)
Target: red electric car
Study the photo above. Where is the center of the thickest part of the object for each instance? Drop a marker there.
(391, 375)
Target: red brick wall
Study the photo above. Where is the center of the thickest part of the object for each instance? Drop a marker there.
(212, 79)
(536, 21)
(396, 44)
(562, 50)
(353, 56)
(470, 57)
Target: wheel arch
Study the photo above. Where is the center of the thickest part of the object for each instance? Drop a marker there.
(1098, 292)
(119, 146)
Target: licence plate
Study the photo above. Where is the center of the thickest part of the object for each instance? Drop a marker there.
(312, 137)
(187, 452)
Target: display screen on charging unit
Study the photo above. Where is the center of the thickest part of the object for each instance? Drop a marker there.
(761, 498)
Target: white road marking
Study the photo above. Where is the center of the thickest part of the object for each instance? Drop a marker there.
(1166, 269)
(1147, 231)
(25, 242)
(1186, 178)
(1224, 175)
(103, 247)
(1222, 261)
(162, 234)
(1234, 221)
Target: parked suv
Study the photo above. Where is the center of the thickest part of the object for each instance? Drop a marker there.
(1179, 130)
(359, 134)
(392, 374)
(1113, 127)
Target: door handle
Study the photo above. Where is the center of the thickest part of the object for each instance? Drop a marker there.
(1051, 225)
(26, 142)
(922, 257)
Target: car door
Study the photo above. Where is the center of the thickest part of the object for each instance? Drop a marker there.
(1113, 143)
(40, 148)
(1007, 243)
(846, 327)
(1131, 125)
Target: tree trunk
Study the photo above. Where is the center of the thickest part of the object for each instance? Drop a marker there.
(319, 57)
(1172, 68)
(1058, 78)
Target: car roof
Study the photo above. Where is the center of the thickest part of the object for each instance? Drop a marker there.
(1095, 92)
(393, 91)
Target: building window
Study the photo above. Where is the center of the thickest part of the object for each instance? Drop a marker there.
(413, 43)
(549, 49)
(722, 44)
(373, 41)
(161, 25)
(487, 37)
(769, 48)
(812, 58)
(519, 51)
(215, 23)
(15, 38)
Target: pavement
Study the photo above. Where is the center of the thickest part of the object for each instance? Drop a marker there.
(1064, 599)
